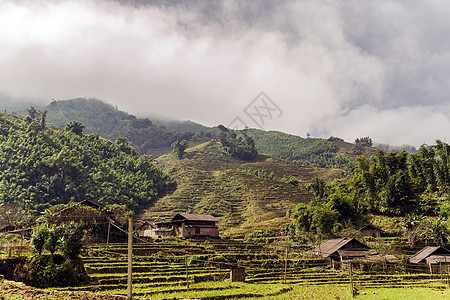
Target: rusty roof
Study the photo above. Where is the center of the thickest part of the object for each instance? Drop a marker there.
(194, 217)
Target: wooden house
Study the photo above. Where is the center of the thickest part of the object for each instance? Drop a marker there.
(5, 226)
(85, 211)
(343, 249)
(436, 259)
(195, 225)
(370, 230)
(155, 229)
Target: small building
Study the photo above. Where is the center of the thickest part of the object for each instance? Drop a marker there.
(85, 211)
(343, 249)
(436, 259)
(370, 230)
(195, 225)
(5, 226)
(155, 229)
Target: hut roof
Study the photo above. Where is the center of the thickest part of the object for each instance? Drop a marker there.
(370, 227)
(194, 217)
(437, 259)
(329, 247)
(3, 224)
(426, 252)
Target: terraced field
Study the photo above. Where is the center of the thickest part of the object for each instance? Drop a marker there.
(175, 269)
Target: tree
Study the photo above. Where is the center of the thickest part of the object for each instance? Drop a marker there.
(178, 148)
(364, 141)
(75, 127)
(43, 119)
(32, 112)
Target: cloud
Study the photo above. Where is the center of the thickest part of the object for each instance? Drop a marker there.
(341, 68)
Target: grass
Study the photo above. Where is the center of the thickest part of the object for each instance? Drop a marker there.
(213, 183)
(164, 277)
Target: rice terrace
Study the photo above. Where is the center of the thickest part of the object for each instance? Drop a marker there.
(226, 149)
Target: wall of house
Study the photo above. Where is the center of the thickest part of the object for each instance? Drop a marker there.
(202, 231)
(370, 232)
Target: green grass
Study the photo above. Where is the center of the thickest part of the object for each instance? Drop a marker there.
(210, 182)
(404, 293)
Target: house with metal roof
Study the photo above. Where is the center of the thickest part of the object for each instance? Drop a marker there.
(342, 249)
(155, 229)
(437, 259)
(195, 225)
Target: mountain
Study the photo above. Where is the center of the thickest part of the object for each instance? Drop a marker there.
(244, 195)
(42, 166)
(110, 123)
(12, 106)
(155, 136)
(331, 153)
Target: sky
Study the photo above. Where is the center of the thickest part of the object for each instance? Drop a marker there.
(345, 68)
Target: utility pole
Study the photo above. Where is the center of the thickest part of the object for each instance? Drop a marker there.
(130, 258)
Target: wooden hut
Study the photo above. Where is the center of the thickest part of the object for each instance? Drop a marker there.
(436, 259)
(155, 229)
(195, 225)
(342, 249)
(370, 230)
(85, 212)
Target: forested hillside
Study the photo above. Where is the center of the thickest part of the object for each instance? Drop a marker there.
(332, 153)
(245, 193)
(41, 167)
(110, 123)
(390, 184)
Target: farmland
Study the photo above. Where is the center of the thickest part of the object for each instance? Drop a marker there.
(175, 269)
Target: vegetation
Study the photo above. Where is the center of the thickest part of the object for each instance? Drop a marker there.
(43, 167)
(309, 152)
(237, 143)
(395, 183)
(244, 194)
(107, 121)
(178, 148)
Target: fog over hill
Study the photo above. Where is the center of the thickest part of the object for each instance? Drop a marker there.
(342, 68)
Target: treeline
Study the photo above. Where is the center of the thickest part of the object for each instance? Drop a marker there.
(41, 167)
(305, 151)
(107, 121)
(395, 184)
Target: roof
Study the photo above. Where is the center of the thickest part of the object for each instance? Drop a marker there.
(329, 247)
(3, 224)
(438, 259)
(91, 204)
(370, 227)
(426, 252)
(357, 253)
(194, 217)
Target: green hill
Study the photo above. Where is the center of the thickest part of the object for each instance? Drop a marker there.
(243, 195)
(331, 153)
(41, 167)
(110, 123)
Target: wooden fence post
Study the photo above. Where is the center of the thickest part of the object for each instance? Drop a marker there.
(187, 274)
(285, 265)
(107, 238)
(351, 281)
(130, 258)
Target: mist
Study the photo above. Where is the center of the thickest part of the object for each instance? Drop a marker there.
(328, 68)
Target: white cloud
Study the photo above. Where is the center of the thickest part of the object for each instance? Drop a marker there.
(346, 68)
